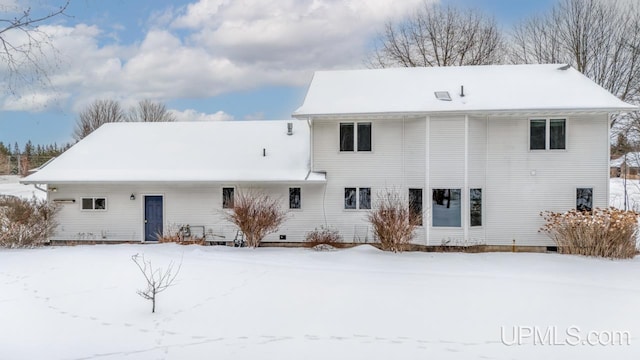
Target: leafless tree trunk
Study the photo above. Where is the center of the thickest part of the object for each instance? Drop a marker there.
(23, 45)
(158, 280)
(439, 36)
(95, 115)
(149, 111)
(599, 38)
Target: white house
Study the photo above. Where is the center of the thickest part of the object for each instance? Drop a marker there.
(479, 151)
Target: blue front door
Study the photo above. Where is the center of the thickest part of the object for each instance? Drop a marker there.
(152, 217)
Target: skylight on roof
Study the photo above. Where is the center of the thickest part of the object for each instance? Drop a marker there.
(443, 95)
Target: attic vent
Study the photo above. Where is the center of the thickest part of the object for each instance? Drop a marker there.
(565, 67)
(289, 128)
(443, 95)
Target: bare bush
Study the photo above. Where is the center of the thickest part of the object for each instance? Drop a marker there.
(158, 279)
(609, 233)
(393, 221)
(25, 223)
(256, 215)
(323, 236)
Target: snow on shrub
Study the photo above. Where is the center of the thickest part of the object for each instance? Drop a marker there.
(25, 222)
(256, 215)
(609, 233)
(393, 221)
(323, 236)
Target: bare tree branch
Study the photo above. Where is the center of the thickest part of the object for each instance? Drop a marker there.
(439, 36)
(149, 111)
(23, 45)
(157, 280)
(95, 115)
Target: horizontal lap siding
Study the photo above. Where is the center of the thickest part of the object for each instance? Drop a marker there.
(197, 205)
(379, 169)
(514, 197)
(446, 170)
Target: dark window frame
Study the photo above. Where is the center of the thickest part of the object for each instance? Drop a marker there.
(351, 138)
(475, 205)
(295, 205)
(228, 202)
(94, 200)
(584, 194)
(554, 139)
(416, 207)
(438, 197)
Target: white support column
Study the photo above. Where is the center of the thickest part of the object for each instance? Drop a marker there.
(427, 177)
(465, 192)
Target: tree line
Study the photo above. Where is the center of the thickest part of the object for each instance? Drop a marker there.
(18, 161)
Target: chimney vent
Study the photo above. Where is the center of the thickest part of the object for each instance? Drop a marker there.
(290, 128)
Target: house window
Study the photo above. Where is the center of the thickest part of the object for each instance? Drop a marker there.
(357, 198)
(584, 199)
(94, 203)
(415, 205)
(547, 134)
(475, 207)
(355, 137)
(294, 198)
(446, 208)
(227, 197)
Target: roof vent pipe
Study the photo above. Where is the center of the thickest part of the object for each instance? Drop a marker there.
(461, 90)
(264, 152)
(290, 128)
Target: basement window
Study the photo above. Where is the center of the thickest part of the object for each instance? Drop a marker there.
(94, 203)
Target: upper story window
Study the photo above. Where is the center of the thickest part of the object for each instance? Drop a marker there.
(355, 136)
(547, 134)
(94, 204)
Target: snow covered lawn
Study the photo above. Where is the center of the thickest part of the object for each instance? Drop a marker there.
(270, 303)
(10, 185)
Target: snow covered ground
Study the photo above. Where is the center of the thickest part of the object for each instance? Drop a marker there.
(10, 185)
(272, 303)
(616, 193)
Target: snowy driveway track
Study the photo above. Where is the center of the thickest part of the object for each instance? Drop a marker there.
(268, 303)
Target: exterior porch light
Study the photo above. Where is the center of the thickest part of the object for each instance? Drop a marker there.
(132, 197)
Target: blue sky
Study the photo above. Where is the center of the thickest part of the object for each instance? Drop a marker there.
(206, 59)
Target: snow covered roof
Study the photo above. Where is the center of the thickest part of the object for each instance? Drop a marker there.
(224, 151)
(633, 160)
(491, 88)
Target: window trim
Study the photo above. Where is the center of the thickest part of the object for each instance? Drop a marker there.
(357, 200)
(300, 190)
(355, 137)
(93, 203)
(547, 133)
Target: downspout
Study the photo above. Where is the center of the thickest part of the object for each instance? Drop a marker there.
(486, 172)
(465, 195)
(608, 191)
(39, 188)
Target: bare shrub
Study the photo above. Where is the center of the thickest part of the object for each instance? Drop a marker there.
(25, 222)
(609, 233)
(175, 233)
(158, 280)
(325, 236)
(393, 221)
(256, 215)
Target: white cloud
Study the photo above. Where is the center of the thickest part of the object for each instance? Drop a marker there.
(194, 115)
(217, 46)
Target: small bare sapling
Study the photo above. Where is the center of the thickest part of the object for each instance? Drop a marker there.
(158, 279)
